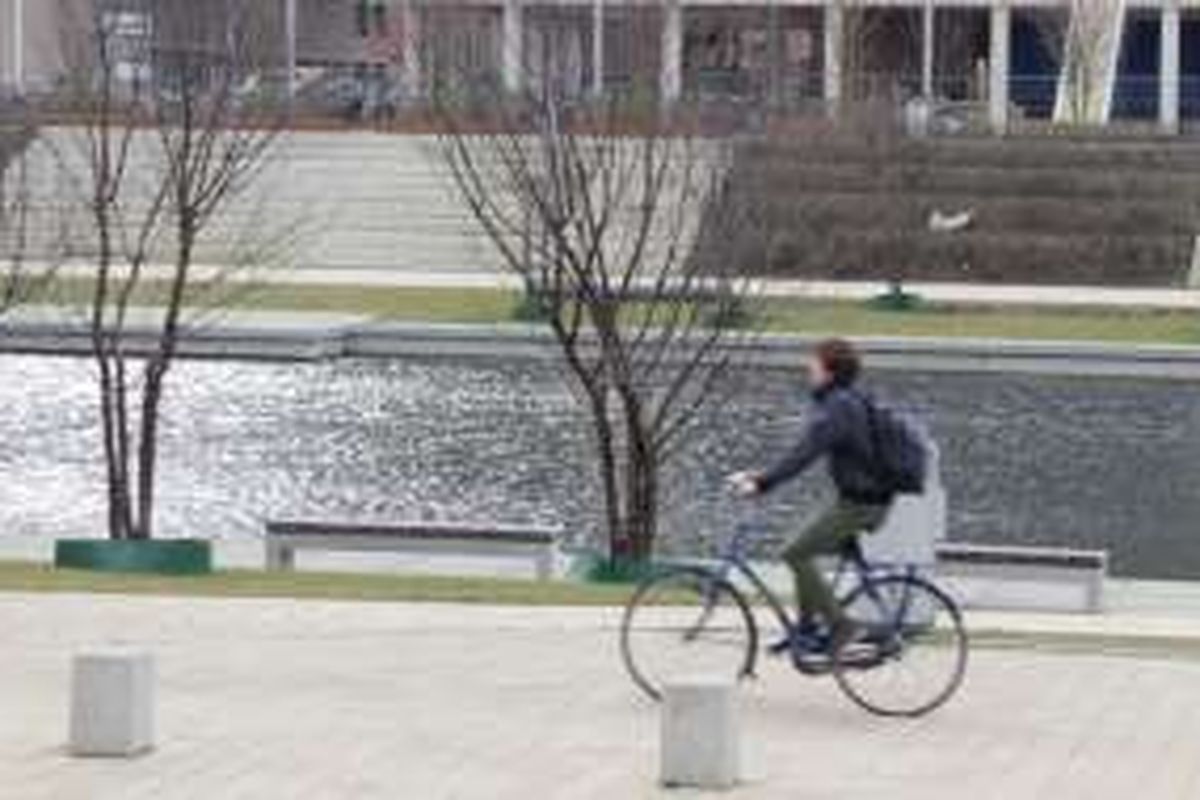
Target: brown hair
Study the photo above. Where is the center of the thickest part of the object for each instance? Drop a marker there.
(840, 359)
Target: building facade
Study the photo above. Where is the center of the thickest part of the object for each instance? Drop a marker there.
(1084, 61)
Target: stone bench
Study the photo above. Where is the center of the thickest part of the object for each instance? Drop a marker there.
(1087, 569)
(542, 546)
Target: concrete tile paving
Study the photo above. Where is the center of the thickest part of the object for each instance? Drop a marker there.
(284, 699)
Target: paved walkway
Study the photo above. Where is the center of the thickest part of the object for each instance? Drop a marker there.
(957, 293)
(277, 699)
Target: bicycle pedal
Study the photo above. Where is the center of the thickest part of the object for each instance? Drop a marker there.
(803, 645)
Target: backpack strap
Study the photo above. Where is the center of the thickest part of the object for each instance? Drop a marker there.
(868, 405)
(872, 414)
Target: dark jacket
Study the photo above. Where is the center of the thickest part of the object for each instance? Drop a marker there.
(840, 428)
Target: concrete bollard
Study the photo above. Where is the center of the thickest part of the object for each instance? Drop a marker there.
(112, 703)
(700, 735)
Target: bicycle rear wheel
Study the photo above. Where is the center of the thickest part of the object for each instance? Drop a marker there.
(916, 655)
(687, 622)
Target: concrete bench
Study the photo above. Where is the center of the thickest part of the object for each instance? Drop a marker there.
(540, 545)
(1087, 569)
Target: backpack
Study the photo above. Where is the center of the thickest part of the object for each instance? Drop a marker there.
(900, 449)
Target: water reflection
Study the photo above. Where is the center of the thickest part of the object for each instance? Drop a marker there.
(1088, 462)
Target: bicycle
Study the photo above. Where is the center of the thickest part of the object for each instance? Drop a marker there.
(690, 617)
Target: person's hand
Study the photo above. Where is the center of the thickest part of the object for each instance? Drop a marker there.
(744, 484)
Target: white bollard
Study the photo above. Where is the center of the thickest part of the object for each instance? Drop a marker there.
(700, 733)
(112, 703)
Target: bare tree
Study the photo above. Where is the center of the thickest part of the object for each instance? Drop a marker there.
(176, 118)
(21, 276)
(597, 210)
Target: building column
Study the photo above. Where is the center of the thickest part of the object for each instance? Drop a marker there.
(671, 76)
(513, 36)
(775, 46)
(1168, 71)
(289, 45)
(598, 47)
(410, 30)
(998, 67)
(18, 46)
(835, 37)
(928, 32)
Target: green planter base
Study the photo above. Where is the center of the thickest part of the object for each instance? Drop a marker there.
(600, 569)
(152, 556)
(897, 301)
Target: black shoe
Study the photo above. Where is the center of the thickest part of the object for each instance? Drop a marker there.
(801, 641)
(846, 633)
(813, 663)
(860, 646)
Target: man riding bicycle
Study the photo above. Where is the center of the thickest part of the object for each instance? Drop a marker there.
(841, 430)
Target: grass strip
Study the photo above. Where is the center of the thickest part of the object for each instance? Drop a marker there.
(777, 315)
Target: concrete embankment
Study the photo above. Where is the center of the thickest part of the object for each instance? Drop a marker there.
(314, 337)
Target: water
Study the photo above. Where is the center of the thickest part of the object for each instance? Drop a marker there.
(1069, 461)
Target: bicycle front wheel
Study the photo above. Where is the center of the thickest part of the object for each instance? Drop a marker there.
(916, 654)
(687, 622)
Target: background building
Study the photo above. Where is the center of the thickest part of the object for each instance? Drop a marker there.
(1081, 61)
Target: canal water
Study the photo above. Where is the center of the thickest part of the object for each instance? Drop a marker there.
(1087, 462)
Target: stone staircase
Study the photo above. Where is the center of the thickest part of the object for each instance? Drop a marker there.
(1069, 211)
(322, 200)
(1039, 211)
(377, 201)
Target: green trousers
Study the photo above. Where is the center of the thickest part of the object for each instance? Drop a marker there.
(826, 536)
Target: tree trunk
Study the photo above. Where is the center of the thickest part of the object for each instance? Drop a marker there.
(108, 357)
(156, 373)
(641, 500)
(114, 462)
(607, 467)
(147, 455)
(640, 479)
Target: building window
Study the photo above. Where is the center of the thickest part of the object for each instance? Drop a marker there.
(371, 18)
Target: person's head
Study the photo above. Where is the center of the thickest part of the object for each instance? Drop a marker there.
(834, 362)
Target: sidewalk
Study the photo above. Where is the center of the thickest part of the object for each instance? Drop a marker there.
(286, 700)
(950, 293)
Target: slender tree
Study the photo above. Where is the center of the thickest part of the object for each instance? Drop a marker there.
(175, 118)
(596, 206)
(24, 269)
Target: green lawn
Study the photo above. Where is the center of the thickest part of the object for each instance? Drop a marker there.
(776, 315)
(782, 316)
(430, 305)
(29, 577)
(850, 319)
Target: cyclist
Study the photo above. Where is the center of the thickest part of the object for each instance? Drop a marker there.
(839, 429)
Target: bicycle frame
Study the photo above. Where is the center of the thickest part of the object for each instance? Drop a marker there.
(895, 605)
(731, 560)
